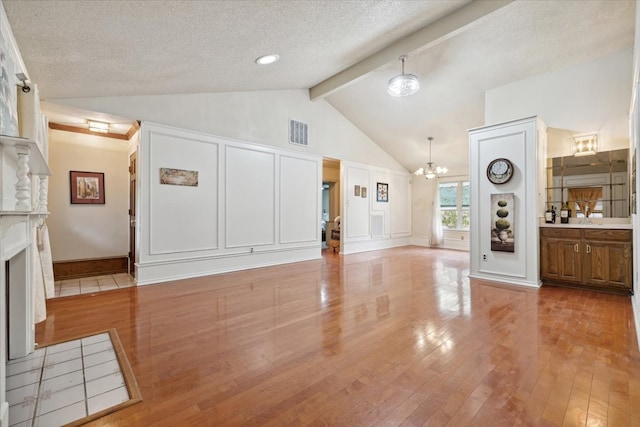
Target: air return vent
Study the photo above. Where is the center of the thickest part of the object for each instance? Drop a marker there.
(298, 133)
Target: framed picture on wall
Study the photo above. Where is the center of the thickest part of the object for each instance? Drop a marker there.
(87, 188)
(503, 222)
(382, 193)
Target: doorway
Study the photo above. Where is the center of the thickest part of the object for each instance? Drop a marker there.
(132, 213)
(330, 201)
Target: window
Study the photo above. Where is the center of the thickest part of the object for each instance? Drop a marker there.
(454, 205)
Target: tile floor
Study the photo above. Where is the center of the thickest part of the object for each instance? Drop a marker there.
(89, 285)
(62, 383)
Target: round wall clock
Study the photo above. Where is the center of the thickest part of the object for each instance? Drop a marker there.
(500, 171)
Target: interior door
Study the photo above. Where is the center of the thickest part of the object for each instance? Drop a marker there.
(132, 213)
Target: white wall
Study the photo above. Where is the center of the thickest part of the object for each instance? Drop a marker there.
(253, 206)
(260, 117)
(88, 231)
(587, 97)
(519, 142)
(369, 223)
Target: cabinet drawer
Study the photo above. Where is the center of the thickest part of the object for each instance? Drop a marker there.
(608, 235)
(561, 233)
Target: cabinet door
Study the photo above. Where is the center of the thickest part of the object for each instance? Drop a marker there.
(607, 264)
(560, 260)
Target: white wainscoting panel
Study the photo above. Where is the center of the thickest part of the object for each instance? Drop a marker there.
(299, 208)
(357, 223)
(250, 197)
(401, 206)
(183, 218)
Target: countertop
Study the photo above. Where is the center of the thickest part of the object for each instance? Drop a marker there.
(605, 226)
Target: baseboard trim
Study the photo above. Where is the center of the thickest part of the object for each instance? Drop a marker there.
(63, 270)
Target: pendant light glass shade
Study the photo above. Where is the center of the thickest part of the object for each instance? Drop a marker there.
(403, 84)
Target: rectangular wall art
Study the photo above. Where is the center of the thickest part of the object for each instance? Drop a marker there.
(178, 177)
(502, 222)
(87, 188)
(382, 192)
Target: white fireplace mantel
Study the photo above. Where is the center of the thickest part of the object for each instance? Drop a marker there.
(23, 205)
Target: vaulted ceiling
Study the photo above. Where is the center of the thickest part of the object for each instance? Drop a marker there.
(344, 51)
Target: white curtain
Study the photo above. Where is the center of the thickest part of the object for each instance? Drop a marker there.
(437, 235)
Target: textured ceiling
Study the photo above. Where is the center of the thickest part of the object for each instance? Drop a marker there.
(105, 48)
(521, 40)
(102, 48)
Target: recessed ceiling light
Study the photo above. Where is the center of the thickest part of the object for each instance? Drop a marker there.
(267, 59)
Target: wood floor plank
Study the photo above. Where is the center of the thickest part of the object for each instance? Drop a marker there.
(385, 338)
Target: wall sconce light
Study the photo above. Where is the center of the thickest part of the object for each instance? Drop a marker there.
(100, 127)
(585, 145)
(23, 78)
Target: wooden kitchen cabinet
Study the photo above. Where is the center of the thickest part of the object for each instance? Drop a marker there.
(559, 255)
(591, 258)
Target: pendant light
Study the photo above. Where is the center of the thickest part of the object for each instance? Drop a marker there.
(403, 84)
(431, 171)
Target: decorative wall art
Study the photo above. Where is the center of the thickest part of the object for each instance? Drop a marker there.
(87, 188)
(364, 192)
(502, 222)
(178, 177)
(382, 194)
(356, 191)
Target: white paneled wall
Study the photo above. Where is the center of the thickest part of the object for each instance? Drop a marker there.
(183, 219)
(299, 208)
(253, 205)
(522, 142)
(357, 207)
(401, 206)
(372, 224)
(250, 196)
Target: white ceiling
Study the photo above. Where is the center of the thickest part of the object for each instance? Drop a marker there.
(106, 48)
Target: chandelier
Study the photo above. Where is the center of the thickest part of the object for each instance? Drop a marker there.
(403, 84)
(431, 171)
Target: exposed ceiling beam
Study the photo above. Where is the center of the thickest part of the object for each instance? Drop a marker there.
(437, 32)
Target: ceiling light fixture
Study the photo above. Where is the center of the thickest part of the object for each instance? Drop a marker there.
(100, 127)
(403, 84)
(585, 145)
(431, 171)
(267, 59)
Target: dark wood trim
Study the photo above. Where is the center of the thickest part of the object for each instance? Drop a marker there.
(75, 129)
(63, 270)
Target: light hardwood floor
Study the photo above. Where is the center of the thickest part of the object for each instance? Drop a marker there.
(384, 338)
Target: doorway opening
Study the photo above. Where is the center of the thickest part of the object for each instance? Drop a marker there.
(331, 204)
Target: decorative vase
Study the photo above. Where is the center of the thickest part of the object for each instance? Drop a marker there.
(503, 235)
